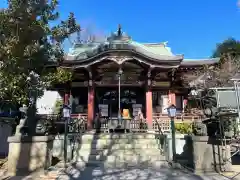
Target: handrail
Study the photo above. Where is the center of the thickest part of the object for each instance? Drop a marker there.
(79, 119)
(158, 125)
(76, 125)
(160, 137)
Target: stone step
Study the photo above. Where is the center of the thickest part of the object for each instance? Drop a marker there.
(106, 152)
(128, 158)
(60, 142)
(117, 146)
(87, 149)
(107, 164)
(128, 136)
(120, 141)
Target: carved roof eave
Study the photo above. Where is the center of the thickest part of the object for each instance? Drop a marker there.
(196, 63)
(163, 61)
(121, 60)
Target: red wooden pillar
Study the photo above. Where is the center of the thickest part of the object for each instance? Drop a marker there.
(185, 101)
(172, 98)
(91, 94)
(149, 105)
(66, 98)
(149, 109)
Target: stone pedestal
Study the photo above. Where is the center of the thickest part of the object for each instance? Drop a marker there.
(29, 154)
(207, 154)
(58, 148)
(5, 132)
(180, 142)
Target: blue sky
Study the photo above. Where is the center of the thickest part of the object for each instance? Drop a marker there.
(192, 27)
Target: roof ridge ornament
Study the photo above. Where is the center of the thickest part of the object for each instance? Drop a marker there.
(119, 31)
(119, 35)
(165, 43)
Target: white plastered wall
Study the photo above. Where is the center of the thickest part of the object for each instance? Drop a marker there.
(46, 104)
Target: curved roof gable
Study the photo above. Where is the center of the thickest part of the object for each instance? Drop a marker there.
(120, 41)
(150, 53)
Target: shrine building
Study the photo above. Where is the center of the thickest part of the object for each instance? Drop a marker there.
(121, 73)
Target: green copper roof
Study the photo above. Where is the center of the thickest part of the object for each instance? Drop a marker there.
(154, 53)
(87, 50)
(83, 51)
(121, 41)
(158, 48)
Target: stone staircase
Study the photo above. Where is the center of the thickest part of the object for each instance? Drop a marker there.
(118, 150)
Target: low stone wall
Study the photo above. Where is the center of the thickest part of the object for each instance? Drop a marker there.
(29, 154)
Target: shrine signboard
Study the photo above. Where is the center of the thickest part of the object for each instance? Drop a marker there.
(115, 83)
(161, 83)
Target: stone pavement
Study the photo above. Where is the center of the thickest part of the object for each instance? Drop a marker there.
(132, 173)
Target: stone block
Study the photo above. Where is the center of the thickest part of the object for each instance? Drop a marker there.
(206, 154)
(29, 154)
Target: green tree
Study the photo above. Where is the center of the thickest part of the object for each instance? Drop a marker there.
(228, 50)
(28, 43)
